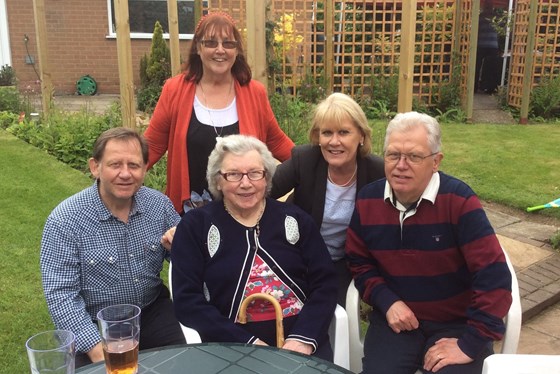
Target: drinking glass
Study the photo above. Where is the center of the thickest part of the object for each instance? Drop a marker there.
(120, 334)
(52, 352)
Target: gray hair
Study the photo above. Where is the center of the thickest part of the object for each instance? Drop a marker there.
(409, 120)
(238, 145)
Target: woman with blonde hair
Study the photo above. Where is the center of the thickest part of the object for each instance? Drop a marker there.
(326, 174)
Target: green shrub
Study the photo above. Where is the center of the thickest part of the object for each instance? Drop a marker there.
(7, 119)
(147, 97)
(10, 99)
(545, 98)
(154, 70)
(67, 136)
(7, 76)
(555, 241)
(156, 177)
(293, 116)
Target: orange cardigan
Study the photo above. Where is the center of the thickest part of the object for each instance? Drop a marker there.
(170, 122)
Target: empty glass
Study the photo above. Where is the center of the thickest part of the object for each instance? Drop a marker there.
(52, 352)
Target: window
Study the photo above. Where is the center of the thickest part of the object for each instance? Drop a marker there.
(143, 15)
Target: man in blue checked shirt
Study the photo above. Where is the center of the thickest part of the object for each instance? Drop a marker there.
(103, 246)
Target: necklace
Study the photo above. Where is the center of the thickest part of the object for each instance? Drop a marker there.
(345, 184)
(257, 227)
(218, 135)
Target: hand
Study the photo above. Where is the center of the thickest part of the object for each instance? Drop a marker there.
(96, 353)
(167, 238)
(444, 352)
(401, 318)
(297, 346)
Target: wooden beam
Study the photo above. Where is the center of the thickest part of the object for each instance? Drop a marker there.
(471, 68)
(42, 52)
(197, 12)
(528, 69)
(124, 53)
(256, 39)
(328, 57)
(173, 19)
(406, 61)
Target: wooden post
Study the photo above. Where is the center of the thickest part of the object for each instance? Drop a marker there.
(44, 68)
(406, 61)
(256, 39)
(528, 69)
(471, 68)
(328, 58)
(124, 53)
(197, 12)
(173, 20)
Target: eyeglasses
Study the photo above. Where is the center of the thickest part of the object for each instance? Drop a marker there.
(409, 157)
(227, 44)
(235, 176)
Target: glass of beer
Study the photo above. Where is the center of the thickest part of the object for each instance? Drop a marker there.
(120, 335)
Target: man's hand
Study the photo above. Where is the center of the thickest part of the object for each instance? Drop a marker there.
(96, 353)
(167, 238)
(297, 346)
(401, 318)
(444, 352)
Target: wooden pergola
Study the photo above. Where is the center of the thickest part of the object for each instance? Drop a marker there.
(256, 51)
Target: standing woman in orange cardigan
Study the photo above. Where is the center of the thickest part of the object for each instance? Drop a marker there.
(214, 97)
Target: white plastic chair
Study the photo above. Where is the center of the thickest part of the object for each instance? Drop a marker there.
(338, 332)
(521, 364)
(512, 322)
(191, 335)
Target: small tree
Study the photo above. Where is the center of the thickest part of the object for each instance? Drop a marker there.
(154, 70)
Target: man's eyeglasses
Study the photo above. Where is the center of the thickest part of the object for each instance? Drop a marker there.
(227, 44)
(235, 176)
(412, 158)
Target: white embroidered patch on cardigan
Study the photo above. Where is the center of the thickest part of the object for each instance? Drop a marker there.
(206, 292)
(292, 230)
(213, 240)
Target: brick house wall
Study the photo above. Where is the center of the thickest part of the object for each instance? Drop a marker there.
(77, 45)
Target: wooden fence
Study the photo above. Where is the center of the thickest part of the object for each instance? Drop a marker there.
(543, 51)
(354, 46)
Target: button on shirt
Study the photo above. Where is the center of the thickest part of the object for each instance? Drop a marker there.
(90, 259)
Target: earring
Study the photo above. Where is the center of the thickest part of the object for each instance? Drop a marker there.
(361, 144)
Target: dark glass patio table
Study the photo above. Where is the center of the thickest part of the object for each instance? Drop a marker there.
(224, 358)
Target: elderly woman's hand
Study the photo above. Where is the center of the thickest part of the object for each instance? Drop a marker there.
(167, 238)
(297, 346)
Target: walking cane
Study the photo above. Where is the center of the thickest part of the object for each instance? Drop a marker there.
(277, 308)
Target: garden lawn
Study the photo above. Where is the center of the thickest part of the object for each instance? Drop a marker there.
(32, 183)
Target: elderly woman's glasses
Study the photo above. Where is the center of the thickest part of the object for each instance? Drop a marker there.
(235, 176)
(394, 157)
(227, 44)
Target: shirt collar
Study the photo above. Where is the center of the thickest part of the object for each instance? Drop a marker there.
(430, 193)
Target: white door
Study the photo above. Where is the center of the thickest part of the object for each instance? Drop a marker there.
(5, 54)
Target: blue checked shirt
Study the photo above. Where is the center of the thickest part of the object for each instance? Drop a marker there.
(90, 259)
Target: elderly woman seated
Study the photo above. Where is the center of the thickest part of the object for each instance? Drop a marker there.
(244, 243)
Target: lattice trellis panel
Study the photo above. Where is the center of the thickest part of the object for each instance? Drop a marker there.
(518, 50)
(433, 65)
(546, 56)
(366, 44)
